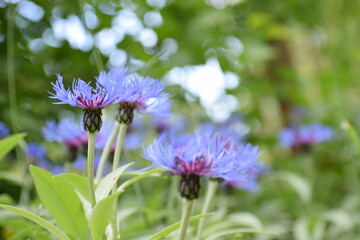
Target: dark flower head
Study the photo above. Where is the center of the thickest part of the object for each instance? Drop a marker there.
(305, 135)
(84, 96)
(67, 132)
(4, 130)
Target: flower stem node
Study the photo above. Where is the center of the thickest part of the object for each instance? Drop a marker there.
(92, 120)
(189, 187)
(125, 113)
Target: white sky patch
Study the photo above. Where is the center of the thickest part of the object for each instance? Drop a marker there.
(148, 37)
(30, 11)
(209, 83)
(153, 19)
(72, 30)
(107, 39)
(118, 58)
(127, 21)
(156, 3)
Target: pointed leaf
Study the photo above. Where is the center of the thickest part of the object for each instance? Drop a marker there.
(101, 214)
(107, 183)
(61, 201)
(39, 220)
(7, 144)
(79, 183)
(166, 231)
(219, 235)
(138, 177)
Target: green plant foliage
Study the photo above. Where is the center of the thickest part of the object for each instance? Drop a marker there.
(79, 183)
(7, 144)
(107, 183)
(39, 220)
(61, 201)
(101, 214)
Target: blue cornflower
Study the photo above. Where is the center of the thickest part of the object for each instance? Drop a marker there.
(134, 137)
(143, 94)
(250, 183)
(201, 155)
(92, 100)
(35, 152)
(4, 130)
(67, 132)
(305, 135)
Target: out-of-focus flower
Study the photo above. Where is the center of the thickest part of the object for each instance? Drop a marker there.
(67, 132)
(4, 130)
(305, 135)
(35, 152)
(201, 155)
(250, 183)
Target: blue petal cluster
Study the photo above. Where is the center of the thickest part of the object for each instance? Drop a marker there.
(85, 96)
(4, 130)
(68, 132)
(215, 156)
(36, 152)
(305, 135)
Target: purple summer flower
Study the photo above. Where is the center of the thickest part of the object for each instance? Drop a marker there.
(134, 137)
(305, 135)
(250, 183)
(4, 130)
(85, 96)
(67, 132)
(201, 155)
(35, 152)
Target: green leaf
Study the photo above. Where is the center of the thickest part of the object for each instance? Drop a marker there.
(107, 183)
(11, 177)
(301, 185)
(166, 231)
(354, 136)
(237, 231)
(39, 220)
(101, 214)
(7, 144)
(79, 183)
(138, 177)
(61, 201)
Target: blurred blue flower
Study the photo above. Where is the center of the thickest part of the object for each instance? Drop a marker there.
(84, 96)
(202, 155)
(305, 135)
(134, 137)
(4, 130)
(35, 152)
(67, 132)
(250, 183)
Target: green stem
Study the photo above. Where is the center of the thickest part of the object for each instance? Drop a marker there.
(90, 167)
(106, 152)
(188, 204)
(11, 68)
(213, 184)
(171, 200)
(118, 149)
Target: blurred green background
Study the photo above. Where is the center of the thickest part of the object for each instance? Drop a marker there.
(275, 62)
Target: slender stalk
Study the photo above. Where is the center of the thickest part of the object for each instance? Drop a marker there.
(90, 167)
(213, 184)
(118, 149)
(188, 204)
(106, 152)
(171, 200)
(11, 69)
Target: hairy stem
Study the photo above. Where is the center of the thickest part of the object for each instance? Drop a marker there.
(188, 204)
(106, 152)
(213, 184)
(90, 167)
